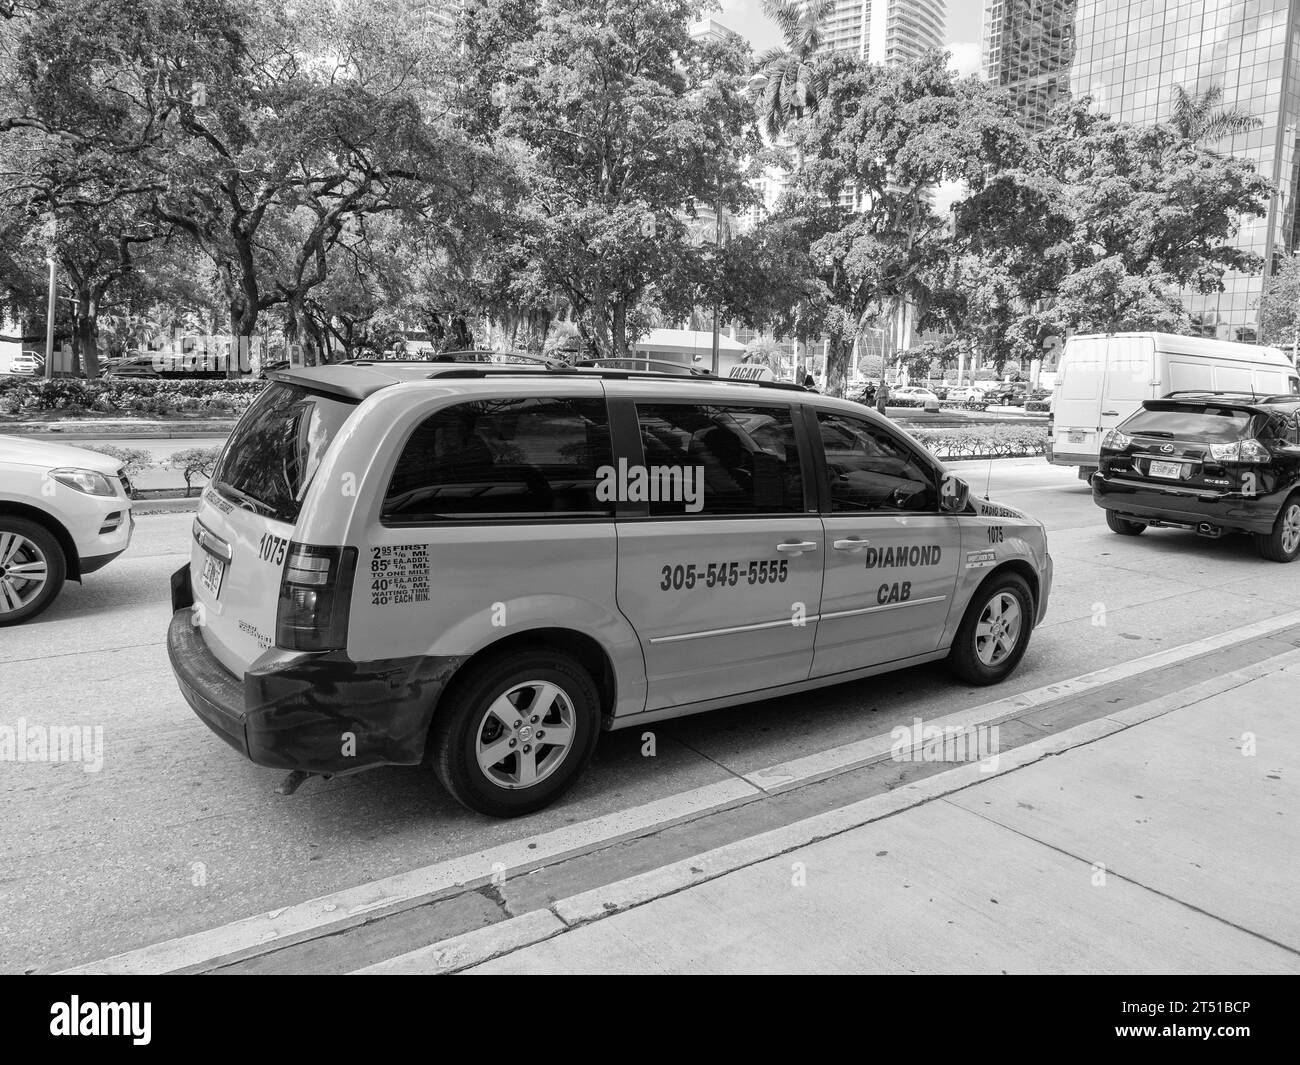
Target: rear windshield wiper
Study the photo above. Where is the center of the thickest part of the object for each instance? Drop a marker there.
(1154, 432)
(244, 497)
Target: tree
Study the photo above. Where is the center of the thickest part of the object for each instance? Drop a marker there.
(887, 137)
(628, 129)
(793, 80)
(194, 462)
(1279, 307)
(1098, 229)
(764, 352)
(1199, 118)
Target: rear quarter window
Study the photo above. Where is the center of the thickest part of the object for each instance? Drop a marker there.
(270, 459)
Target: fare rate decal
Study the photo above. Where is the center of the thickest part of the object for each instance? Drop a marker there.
(399, 573)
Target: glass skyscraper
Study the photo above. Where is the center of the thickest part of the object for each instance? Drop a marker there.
(1028, 48)
(885, 31)
(1129, 54)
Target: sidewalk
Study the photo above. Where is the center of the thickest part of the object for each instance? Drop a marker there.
(1163, 847)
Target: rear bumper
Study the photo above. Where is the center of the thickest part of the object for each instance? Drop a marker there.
(1070, 458)
(318, 712)
(1180, 506)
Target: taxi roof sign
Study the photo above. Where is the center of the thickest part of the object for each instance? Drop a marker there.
(751, 372)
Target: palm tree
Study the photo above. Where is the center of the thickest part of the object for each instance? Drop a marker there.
(1199, 118)
(793, 81)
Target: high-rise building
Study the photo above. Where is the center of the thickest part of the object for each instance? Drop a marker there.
(1028, 48)
(1129, 55)
(885, 31)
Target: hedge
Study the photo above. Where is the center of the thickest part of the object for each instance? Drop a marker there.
(984, 441)
(223, 398)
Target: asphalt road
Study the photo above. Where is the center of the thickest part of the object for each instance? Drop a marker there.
(176, 833)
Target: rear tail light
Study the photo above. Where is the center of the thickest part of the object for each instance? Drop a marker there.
(315, 596)
(1116, 441)
(1248, 450)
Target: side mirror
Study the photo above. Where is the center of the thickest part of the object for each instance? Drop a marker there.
(954, 494)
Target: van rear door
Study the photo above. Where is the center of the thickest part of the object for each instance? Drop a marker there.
(247, 516)
(1101, 382)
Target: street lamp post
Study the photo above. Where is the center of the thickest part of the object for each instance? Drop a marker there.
(49, 325)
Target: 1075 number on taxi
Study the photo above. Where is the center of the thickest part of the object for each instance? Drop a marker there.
(728, 574)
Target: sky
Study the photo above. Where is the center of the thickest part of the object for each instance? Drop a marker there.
(965, 18)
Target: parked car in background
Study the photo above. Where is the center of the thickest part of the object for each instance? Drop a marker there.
(967, 395)
(27, 363)
(1104, 378)
(1209, 463)
(64, 512)
(913, 396)
(139, 366)
(1039, 401)
(1006, 394)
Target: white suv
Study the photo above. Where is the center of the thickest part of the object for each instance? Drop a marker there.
(64, 512)
(488, 566)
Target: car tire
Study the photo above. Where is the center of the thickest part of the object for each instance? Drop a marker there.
(982, 657)
(469, 724)
(1123, 526)
(27, 544)
(1283, 543)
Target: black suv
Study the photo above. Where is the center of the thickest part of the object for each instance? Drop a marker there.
(1210, 462)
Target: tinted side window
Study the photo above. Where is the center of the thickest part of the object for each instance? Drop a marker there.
(506, 458)
(720, 459)
(867, 469)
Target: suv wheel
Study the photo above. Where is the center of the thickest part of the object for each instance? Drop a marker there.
(516, 733)
(995, 631)
(1283, 543)
(32, 569)
(1123, 526)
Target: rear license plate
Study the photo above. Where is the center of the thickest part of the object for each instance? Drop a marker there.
(1076, 436)
(213, 572)
(1166, 469)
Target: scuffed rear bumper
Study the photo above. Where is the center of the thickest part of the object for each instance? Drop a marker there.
(319, 713)
(1187, 507)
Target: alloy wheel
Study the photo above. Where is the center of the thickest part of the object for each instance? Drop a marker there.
(1291, 529)
(23, 571)
(525, 734)
(998, 630)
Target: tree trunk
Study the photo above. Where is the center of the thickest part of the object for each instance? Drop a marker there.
(85, 333)
(618, 327)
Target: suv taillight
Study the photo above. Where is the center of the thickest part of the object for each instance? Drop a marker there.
(315, 594)
(1248, 450)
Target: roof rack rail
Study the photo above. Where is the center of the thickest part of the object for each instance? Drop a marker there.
(598, 363)
(467, 371)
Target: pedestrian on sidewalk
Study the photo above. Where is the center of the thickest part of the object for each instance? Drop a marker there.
(882, 396)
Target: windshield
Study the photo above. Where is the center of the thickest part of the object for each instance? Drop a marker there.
(276, 448)
(1212, 424)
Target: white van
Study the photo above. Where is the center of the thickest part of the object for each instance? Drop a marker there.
(1103, 378)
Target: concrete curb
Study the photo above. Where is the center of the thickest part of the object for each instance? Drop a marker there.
(513, 934)
(144, 508)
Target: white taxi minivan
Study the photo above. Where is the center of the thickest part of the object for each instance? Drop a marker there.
(1102, 379)
(486, 566)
